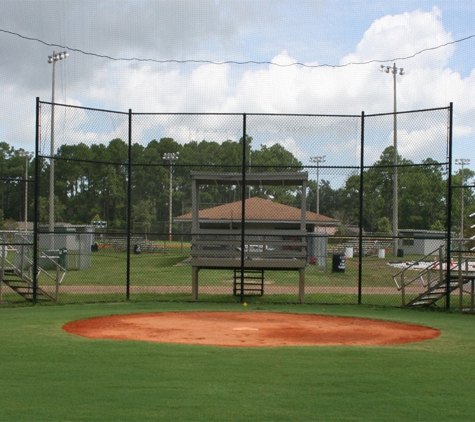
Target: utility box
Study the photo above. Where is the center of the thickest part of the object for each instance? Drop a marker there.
(317, 247)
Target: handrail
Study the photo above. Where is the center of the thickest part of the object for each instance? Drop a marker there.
(420, 275)
(58, 268)
(25, 259)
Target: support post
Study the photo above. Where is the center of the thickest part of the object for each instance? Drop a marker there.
(449, 205)
(360, 212)
(2, 270)
(302, 285)
(36, 201)
(57, 283)
(460, 280)
(472, 294)
(194, 283)
(129, 205)
(243, 204)
(403, 290)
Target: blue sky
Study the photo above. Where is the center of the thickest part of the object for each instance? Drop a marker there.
(313, 32)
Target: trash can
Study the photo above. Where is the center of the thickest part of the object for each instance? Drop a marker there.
(62, 257)
(381, 253)
(94, 247)
(400, 253)
(338, 263)
(137, 249)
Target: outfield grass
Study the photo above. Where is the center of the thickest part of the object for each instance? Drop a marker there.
(48, 374)
(105, 280)
(109, 267)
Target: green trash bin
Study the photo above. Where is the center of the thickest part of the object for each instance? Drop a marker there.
(62, 257)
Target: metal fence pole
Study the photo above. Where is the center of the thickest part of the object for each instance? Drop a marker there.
(449, 206)
(243, 204)
(360, 222)
(36, 200)
(129, 204)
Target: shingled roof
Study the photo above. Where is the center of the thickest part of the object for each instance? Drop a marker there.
(258, 210)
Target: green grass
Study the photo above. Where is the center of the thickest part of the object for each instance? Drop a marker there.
(109, 269)
(47, 374)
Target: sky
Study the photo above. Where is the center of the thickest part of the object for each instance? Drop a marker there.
(224, 56)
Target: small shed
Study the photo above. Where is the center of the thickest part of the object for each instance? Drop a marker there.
(421, 242)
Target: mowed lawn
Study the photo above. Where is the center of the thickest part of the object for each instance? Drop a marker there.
(48, 374)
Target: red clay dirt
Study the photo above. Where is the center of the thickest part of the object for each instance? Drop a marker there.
(249, 329)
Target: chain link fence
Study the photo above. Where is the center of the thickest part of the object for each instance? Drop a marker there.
(235, 207)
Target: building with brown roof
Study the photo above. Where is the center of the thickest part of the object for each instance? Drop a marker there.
(261, 213)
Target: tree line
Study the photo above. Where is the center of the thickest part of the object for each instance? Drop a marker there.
(91, 182)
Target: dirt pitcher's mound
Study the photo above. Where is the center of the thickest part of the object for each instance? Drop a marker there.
(249, 329)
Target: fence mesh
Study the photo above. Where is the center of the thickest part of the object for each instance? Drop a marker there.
(150, 206)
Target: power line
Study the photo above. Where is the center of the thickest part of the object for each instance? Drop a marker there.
(256, 62)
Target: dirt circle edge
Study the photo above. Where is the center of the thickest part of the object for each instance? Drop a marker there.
(263, 329)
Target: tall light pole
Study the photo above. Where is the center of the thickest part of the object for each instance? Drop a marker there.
(52, 60)
(462, 162)
(394, 70)
(318, 159)
(27, 156)
(171, 157)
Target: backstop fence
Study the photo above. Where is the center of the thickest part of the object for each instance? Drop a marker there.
(264, 207)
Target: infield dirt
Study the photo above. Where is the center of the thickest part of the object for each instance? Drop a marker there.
(249, 329)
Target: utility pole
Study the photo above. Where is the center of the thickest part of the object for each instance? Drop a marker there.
(52, 60)
(318, 159)
(171, 157)
(394, 70)
(462, 162)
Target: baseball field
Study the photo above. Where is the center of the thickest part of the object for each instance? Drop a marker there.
(48, 373)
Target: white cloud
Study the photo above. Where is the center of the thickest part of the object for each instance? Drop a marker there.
(220, 31)
(403, 35)
(418, 144)
(290, 145)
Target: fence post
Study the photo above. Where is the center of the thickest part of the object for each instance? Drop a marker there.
(472, 294)
(441, 265)
(2, 271)
(360, 211)
(403, 290)
(36, 200)
(129, 206)
(243, 203)
(57, 282)
(460, 280)
(449, 204)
